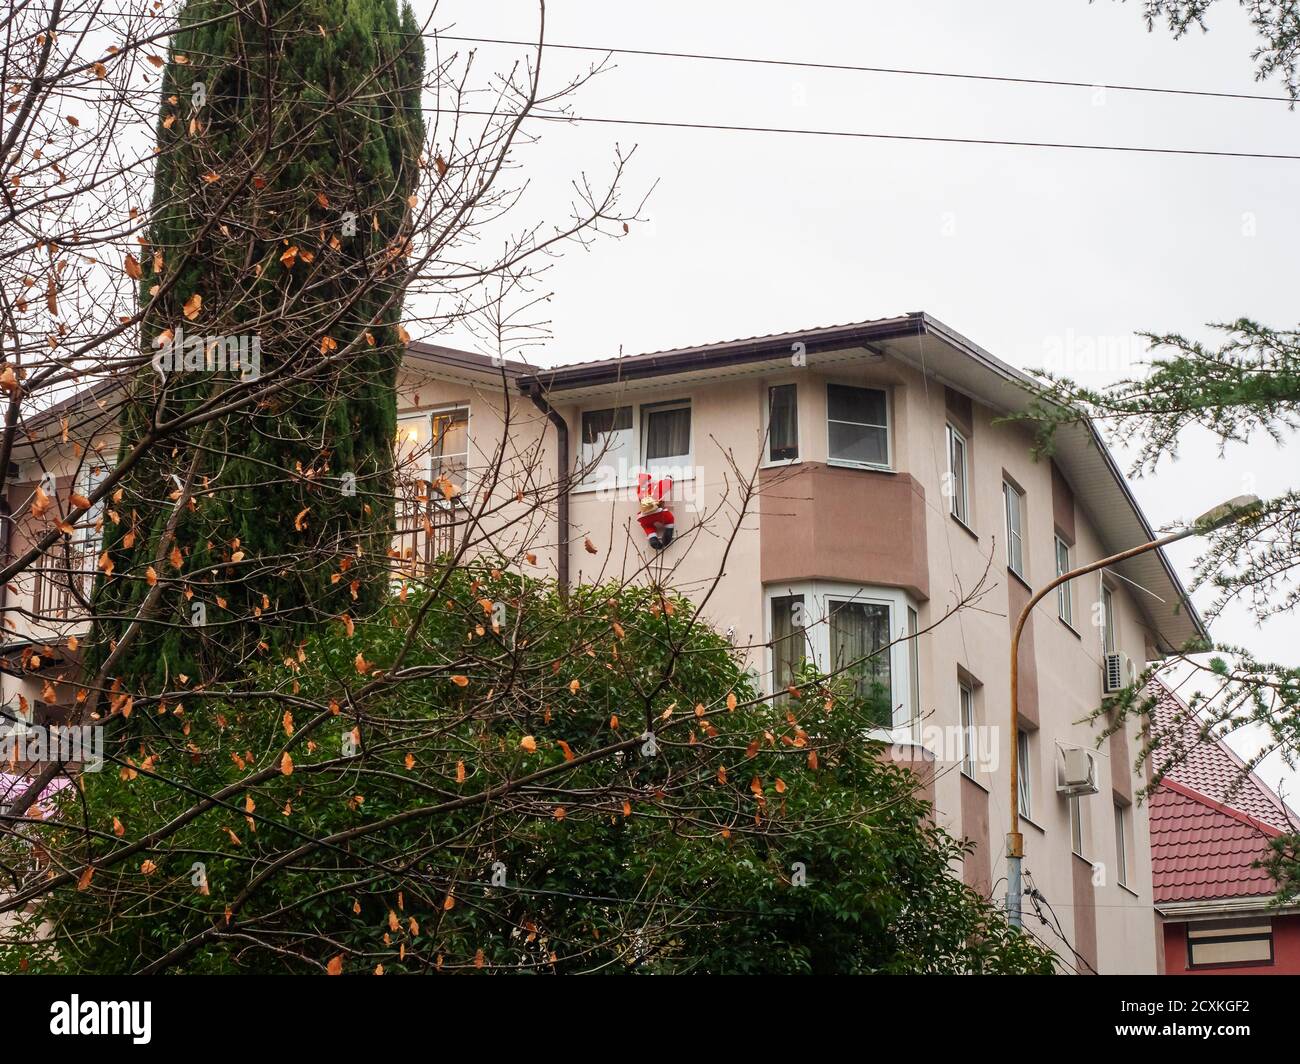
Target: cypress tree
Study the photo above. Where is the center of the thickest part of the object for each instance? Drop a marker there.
(289, 136)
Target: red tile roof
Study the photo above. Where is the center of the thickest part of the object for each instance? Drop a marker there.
(1210, 820)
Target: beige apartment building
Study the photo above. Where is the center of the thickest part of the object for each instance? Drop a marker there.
(849, 494)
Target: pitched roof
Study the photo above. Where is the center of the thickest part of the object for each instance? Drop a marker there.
(1208, 766)
(944, 355)
(1211, 821)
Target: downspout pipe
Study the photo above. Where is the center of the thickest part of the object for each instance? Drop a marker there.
(562, 482)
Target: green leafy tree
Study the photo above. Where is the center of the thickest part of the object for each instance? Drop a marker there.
(589, 784)
(289, 137)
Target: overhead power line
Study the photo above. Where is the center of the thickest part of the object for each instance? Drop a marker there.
(803, 64)
(858, 68)
(855, 134)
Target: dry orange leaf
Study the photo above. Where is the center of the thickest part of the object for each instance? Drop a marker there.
(528, 743)
(286, 764)
(460, 681)
(335, 966)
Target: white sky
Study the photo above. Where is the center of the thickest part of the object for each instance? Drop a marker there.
(1041, 256)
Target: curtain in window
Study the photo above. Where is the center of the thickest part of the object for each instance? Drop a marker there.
(783, 424)
(788, 641)
(858, 631)
(667, 433)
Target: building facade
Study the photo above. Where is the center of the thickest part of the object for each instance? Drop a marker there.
(849, 494)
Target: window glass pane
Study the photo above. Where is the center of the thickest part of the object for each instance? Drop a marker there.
(1108, 620)
(1121, 846)
(957, 467)
(967, 700)
(859, 443)
(1015, 555)
(783, 423)
(914, 664)
(1220, 950)
(449, 446)
(597, 423)
(606, 441)
(866, 406)
(1023, 766)
(1064, 600)
(667, 433)
(858, 631)
(788, 641)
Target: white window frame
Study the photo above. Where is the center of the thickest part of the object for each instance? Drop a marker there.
(1024, 774)
(425, 419)
(967, 722)
(817, 597)
(677, 464)
(1065, 591)
(960, 504)
(888, 426)
(627, 478)
(1109, 627)
(624, 456)
(1015, 536)
(768, 460)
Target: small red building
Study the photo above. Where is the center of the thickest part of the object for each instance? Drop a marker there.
(1211, 823)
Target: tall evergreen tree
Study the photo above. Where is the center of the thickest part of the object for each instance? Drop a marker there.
(289, 141)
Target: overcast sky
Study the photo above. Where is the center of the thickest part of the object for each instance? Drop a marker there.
(1044, 257)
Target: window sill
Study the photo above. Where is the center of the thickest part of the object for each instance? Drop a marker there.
(967, 776)
(1127, 889)
(836, 463)
(1020, 579)
(1070, 628)
(964, 527)
(780, 464)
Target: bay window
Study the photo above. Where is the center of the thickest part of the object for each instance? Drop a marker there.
(859, 633)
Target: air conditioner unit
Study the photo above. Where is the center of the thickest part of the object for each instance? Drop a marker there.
(1076, 772)
(1119, 673)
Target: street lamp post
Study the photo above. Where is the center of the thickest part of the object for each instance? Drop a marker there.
(1241, 508)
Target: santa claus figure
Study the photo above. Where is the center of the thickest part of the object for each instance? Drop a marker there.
(656, 520)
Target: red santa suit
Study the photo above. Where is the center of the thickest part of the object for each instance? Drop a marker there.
(656, 519)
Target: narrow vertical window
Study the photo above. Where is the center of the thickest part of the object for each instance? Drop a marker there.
(788, 640)
(914, 664)
(966, 697)
(1014, 501)
(782, 423)
(1024, 777)
(957, 476)
(1107, 620)
(1076, 825)
(1121, 844)
(1064, 595)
